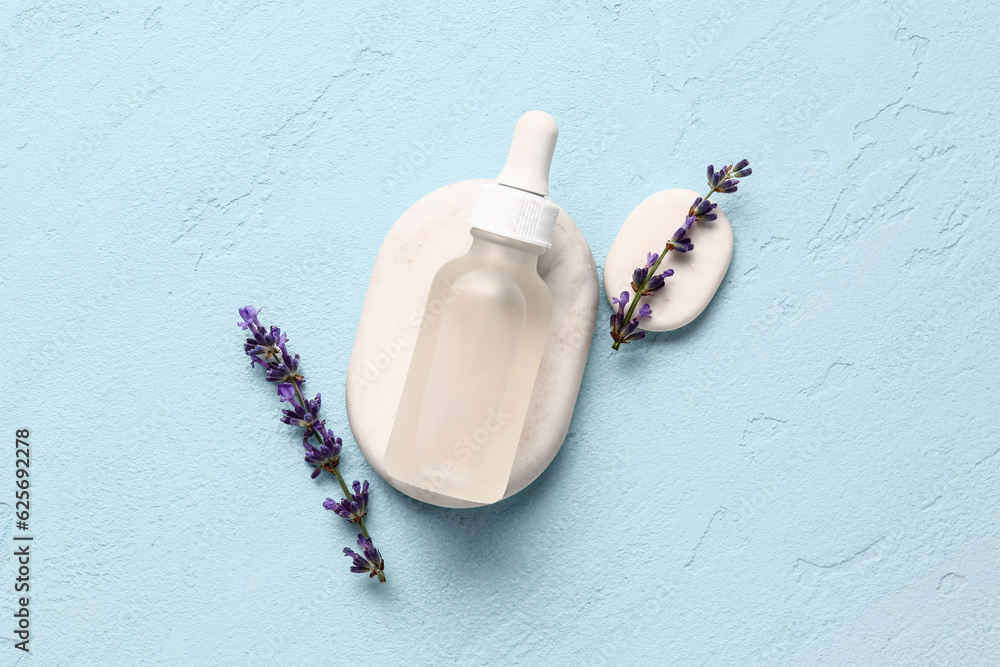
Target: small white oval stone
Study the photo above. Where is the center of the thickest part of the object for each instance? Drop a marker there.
(697, 274)
(431, 232)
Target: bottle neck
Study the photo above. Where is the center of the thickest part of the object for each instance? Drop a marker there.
(504, 248)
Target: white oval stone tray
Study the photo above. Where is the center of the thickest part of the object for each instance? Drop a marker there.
(431, 232)
(697, 274)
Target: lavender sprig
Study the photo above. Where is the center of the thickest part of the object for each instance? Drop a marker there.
(645, 280)
(369, 560)
(267, 347)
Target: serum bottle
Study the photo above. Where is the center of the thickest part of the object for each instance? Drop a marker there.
(480, 343)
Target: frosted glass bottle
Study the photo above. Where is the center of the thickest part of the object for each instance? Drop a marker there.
(476, 356)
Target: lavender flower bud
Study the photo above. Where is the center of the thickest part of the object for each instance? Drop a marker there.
(286, 393)
(369, 560)
(306, 416)
(702, 210)
(629, 328)
(638, 277)
(654, 285)
(621, 302)
(325, 456)
(263, 347)
(679, 242)
(249, 315)
(352, 509)
(622, 331)
(656, 282)
(617, 321)
(717, 176)
(618, 318)
(629, 333)
(285, 372)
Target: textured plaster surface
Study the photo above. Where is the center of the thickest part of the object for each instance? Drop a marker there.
(812, 474)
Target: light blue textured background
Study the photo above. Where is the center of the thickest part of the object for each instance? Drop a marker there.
(807, 474)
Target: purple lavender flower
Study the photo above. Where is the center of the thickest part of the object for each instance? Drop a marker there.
(645, 280)
(369, 560)
(623, 331)
(680, 242)
(656, 283)
(286, 393)
(264, 347)
(352, 509)
(621, 301)
(306, 416)
(326, 455)
(249, 316)
(267, 347)
(702, 211)
(631, 331)
(717, 177)
(639, 277)
(285, 371)
(701, 206)
(618, 318)
(724, 180)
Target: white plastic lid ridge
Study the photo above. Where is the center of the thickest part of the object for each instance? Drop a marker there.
(515, 214)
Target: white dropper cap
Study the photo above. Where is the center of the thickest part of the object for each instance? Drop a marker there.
(530, 153)
(516, 205)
